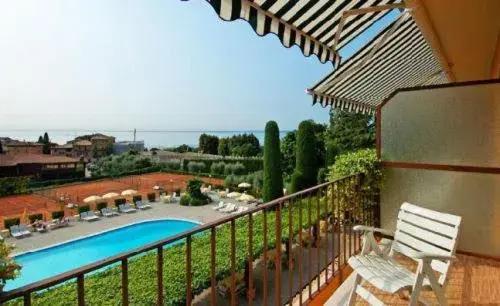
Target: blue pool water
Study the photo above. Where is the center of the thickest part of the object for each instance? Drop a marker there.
(61, 258)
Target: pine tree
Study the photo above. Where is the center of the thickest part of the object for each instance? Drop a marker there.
(273, 179)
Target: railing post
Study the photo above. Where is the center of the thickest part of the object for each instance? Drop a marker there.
(300, 251)
(189, 294)
(27, 299)
(264, 270)
(250, 290)
(233, 263)
(277, 259)
(159, 275)
(81, 290)
(125, 282)
(212, 267)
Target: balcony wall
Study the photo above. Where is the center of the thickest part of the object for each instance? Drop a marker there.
(440, 147)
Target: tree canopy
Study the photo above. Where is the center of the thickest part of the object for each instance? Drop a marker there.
(208, 143)
(245, 145)
(348, 132)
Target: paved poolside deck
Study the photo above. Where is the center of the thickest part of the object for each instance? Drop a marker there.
(202, 214)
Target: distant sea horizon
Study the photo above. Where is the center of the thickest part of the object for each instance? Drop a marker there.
(151, 138)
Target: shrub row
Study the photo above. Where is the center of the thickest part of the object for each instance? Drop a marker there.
(101, 287)
(250, 164)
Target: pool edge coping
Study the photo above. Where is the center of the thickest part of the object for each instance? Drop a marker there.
(102, 232)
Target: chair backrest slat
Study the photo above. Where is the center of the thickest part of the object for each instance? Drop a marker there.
(424, 230)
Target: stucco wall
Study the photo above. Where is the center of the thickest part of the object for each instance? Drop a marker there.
(474, 196)
(445, 126)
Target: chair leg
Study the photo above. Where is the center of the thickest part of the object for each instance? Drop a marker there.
(436, 287)
(352, 296)
(417, 286)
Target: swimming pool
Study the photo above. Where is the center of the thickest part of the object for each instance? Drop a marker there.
(53, 260)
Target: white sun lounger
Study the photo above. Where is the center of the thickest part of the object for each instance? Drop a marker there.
(219, 206)
(229, 208)
(126, 208)
(19, 231)
(143, 205)
(108, 212)
(88, 216)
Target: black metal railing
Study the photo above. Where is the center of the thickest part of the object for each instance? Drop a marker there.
(295, 246)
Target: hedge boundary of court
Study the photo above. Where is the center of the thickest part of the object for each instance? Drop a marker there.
(251, 164)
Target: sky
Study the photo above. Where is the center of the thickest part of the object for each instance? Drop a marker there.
(150, 65)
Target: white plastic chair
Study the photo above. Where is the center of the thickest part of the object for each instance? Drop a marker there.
(426, 236)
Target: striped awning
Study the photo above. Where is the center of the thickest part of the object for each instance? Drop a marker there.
(397, 57)
(310, 24)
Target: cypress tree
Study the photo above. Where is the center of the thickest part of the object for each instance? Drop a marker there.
(273, 179)
(46, 144)
(306, 165)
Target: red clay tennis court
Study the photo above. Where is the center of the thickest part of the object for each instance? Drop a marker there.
(19, 205)
(48, 200)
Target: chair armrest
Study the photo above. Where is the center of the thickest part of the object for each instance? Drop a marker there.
(431, 256)
(364, 228)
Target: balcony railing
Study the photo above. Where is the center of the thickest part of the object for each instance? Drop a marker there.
(286, 249)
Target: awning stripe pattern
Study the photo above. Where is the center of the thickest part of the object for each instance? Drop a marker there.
(309, 24)
(404, 59)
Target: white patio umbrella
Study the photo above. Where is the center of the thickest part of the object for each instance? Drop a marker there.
(244, 185)
(246, 198)
(110, 195)
(233, 195)
(92, 198)
(129, 192)
(156, 187)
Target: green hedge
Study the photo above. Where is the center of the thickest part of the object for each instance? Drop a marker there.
(151, 197)
(83, 208)
(103, 287)
(101, 205)
(57, 214)
(250, 164)
(7, 223)
(120, 201)
(14, 185)
(35, 217)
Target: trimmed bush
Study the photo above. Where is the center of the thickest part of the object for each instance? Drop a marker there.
(362, 161)
(322, 173)
(196, 167)
(273, 177)
(83, 208)
(57, 214)
(238, 169)
(14, 185)
(101, 205)
(251, 164)
(151, 197)
(185, 200)
(35, 217)
(136, 198)
(7, 223)
(120, 201)
(172, 164)
(199, 202)
(306, 166)
(217, 168)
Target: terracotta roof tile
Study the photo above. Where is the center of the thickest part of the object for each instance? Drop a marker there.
(12, 160)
